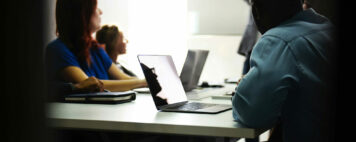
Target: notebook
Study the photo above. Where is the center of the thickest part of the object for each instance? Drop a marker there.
(166, 88)
(102, 97)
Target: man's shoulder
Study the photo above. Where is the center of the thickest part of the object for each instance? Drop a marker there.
(292, 31)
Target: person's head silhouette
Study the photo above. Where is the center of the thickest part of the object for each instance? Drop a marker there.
(270, 13)
(155, 87)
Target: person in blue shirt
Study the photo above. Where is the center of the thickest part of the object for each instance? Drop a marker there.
(288, 84)
(75, 56)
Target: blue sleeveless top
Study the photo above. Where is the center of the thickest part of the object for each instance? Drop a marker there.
(58, 56)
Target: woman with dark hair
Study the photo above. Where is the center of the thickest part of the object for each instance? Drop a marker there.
(115, 45)
(75, 55)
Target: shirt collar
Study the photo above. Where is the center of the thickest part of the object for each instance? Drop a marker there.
(309, 15)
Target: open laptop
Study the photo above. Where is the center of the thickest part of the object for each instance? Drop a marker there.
(166, 88)
(191, 72)
(192, 69)
(190, 75)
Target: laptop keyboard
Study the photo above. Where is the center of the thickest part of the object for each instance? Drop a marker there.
(192, 106)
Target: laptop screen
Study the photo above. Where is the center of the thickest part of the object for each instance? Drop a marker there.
(192, 69)
(162, 79)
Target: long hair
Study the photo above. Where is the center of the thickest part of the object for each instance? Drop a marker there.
(72, 21)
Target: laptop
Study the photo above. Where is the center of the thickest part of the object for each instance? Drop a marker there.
(190, 75)
(166, 88)
(192, 68)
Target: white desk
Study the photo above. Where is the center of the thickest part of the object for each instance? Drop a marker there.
(142, 116)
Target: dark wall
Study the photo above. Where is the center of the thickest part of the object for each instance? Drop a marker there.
(22, 102)
(328, 8)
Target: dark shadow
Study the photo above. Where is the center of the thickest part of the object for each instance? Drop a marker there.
(153, 84)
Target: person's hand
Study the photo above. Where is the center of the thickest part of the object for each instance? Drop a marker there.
(143, 83)
(91, 84)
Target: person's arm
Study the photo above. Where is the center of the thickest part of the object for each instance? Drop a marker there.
(126, 82)
(261, 93)
(75, 74)
(91, 84)
(116, 73)
(58, 89)
(123, 85)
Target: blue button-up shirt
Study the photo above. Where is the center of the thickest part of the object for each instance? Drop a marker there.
(287, 78)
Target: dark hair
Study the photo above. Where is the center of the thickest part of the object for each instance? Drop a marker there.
(270, 13)
(108, 35)
(72, 20)
(289, 6)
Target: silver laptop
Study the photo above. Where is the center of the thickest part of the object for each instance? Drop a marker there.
(166, 88)
(191, 72)
(190, 75)
(192, 69)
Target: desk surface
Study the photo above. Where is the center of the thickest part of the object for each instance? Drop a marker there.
(142, 116)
